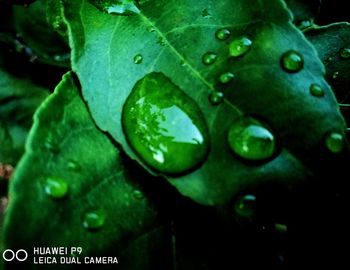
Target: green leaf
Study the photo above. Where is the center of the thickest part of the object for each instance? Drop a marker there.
(74, 189)
(32, 25)
(332, 43)
(18, 101)
(114, 56)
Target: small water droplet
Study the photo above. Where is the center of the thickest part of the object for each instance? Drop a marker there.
(345, 53)
(245, 206)
(223, 34)
(164, 126)
(151, 29)
(209, 58)
(292, 61)
(94, 220)
(281, 228)
(302, 25)
(216, 97)
(335, 75)
(205, 13)
(138, 58)
(251, 140)
(117, 7)
(240, 46)
(138, 194)
(73, 166)
(55, 187)
(335, 142)
(316, 90)
(51, 145)
(226, 77)
(161, 41)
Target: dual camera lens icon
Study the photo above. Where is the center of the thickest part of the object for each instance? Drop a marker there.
(20, 255)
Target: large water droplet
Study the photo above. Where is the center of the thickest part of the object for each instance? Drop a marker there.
(209, 58)
(223, 34)
(304, 24)
(94, 220)
(335, 142)
(226, 77)
(245, 206)
(138, 59)
(240, 46)
(251, 140)
(292, 61)
(216, 97)
(345, 53)
(56, 187)
(165, 126)
(118, 7)
(316, 90)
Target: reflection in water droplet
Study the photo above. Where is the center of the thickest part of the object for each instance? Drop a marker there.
(55, 187)
(138, 59)
(94, 220)
(240, 46)
(335, 142)
(209, 58)
(345, 53)
(117, 7)
(292, 61)
(251, 140)
(165, 126)
(245, 206)
(226, 77)
(316, 90)
(223, 34)
(216, 98)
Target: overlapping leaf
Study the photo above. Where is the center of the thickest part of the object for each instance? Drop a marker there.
(65, 143)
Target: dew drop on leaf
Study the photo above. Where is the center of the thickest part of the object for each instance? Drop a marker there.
(94, 220)
(251, 140)
(226, 77)
(240, 46)
(164, 126)
(138, 194)
(216, 97)
(209, 58)
(316, 90)
(292, 61)
(138, 59)
(117, 7)
(223, 34)
(345, 53)
(245, 206)
(335, 142)
(55, 187)
(304, 24)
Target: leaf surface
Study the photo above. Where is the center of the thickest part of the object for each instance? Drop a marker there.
(172, 37)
